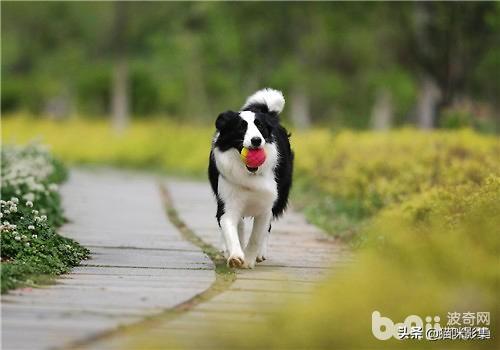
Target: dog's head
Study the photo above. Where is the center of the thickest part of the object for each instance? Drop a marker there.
(245, 129)
(253, 126)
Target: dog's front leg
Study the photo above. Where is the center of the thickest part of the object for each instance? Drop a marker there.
(257, 239)
(263, 249)
(229, 224)
(241, 232)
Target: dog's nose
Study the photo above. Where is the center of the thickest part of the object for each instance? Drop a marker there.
(256, 141)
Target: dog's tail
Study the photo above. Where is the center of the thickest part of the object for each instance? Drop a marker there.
(265, 100)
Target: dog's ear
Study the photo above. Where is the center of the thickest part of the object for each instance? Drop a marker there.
(272, 120)
(224, 118)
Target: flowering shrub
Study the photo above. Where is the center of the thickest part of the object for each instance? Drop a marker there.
(32, 174)
(435, 254)
(375, 170)
(30, 211)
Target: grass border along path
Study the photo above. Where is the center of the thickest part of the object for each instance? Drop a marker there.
(225, 273)
(32, 252)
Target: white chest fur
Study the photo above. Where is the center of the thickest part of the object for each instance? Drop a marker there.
(245, 193)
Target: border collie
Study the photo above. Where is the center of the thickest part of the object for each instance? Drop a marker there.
(241, 191)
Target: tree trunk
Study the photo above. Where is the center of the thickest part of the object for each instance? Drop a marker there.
(119, 88)
(427, 103)
(382, 112)
(120, 98)
(300, 109)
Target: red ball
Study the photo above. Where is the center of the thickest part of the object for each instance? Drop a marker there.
(255, 157)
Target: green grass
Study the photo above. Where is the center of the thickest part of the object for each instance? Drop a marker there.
(341, 218)
(32, 251)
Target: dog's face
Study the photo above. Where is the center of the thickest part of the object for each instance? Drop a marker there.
(244, 129)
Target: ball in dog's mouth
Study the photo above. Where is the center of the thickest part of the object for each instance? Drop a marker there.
(252, 170)
(253, 158)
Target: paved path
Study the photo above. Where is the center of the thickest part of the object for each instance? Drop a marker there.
(140, 266)
(299, 255)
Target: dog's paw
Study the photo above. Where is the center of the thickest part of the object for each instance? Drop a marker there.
(260, 258)
(235, 261)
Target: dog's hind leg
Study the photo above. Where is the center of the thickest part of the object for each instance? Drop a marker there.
(257, 239)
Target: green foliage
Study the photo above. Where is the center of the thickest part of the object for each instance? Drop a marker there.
(194, 59)
(30, 212)
(456, 120)
(343, 219)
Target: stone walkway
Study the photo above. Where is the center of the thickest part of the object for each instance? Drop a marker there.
(141, 266)
(299, 255)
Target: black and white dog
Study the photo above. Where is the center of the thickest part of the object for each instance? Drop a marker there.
(259, 192)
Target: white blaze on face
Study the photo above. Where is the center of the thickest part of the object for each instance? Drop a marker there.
(252, 130)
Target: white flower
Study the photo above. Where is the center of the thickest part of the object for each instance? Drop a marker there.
(34, 236)
(27, 244)
(53, 187)
(14, 200)
(6, 211)
(1, 215)
(13, 209)
(35, 212)
(29, 204)
(31, 227)
(17, 238)
(43, 217)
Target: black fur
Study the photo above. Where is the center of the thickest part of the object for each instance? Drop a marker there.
(283, 171)
(213, 176)
(232, 130)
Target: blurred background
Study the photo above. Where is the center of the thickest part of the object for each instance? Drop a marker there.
(359, 65)
(394, 113)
